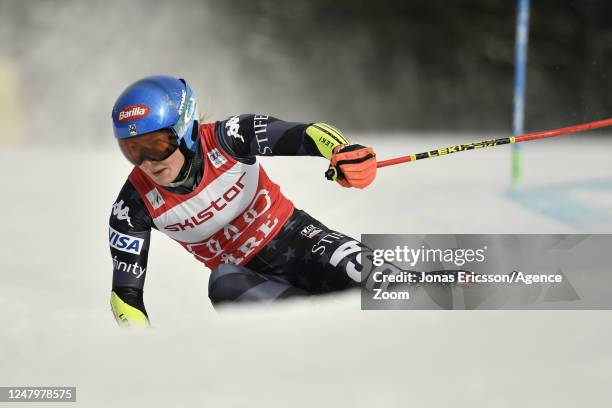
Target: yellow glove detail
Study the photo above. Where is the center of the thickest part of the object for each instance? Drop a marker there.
(326, 138)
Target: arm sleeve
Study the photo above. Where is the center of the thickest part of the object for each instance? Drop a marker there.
(129, 236)
(250, 135)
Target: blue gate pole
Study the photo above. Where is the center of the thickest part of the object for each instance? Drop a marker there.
(520, 65)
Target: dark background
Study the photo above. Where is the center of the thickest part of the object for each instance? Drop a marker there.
(361, 65)
(437, 64)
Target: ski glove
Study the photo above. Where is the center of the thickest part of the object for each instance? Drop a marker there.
(352, 166)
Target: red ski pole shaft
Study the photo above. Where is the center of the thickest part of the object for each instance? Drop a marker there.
(496, 142)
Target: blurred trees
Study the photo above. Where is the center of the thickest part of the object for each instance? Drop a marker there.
(433, 64)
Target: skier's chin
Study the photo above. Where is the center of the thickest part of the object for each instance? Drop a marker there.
(161, 176)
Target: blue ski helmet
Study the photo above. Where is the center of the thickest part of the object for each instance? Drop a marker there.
(154, 103)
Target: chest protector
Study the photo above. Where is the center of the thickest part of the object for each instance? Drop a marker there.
(233, 213)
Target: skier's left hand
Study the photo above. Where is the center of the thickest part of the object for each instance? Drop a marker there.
(352, 165)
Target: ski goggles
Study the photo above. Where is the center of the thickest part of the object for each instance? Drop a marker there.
(155, 146)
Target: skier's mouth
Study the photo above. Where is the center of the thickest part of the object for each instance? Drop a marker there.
(158, 172)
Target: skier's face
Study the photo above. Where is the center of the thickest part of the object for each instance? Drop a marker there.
(163, 172)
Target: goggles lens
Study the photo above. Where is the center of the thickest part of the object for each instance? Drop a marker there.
(156, 146)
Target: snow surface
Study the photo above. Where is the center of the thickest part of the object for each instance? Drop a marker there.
(57, 328)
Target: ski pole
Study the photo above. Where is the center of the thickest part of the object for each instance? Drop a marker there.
(496, 142)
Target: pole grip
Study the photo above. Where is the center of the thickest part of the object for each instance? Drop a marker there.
(331, 174)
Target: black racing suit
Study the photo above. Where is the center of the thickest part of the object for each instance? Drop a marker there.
(305, 257)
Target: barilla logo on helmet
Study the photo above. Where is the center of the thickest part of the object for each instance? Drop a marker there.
(133, 112)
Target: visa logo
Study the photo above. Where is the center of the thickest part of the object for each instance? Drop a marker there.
(125, 243)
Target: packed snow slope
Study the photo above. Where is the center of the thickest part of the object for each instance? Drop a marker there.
(55, 275)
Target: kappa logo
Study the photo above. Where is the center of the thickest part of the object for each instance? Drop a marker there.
(233, 128)
(155, 198)
(125, 243)
(216, 158)
(310, 231)
(133, 112)
(121, 212)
